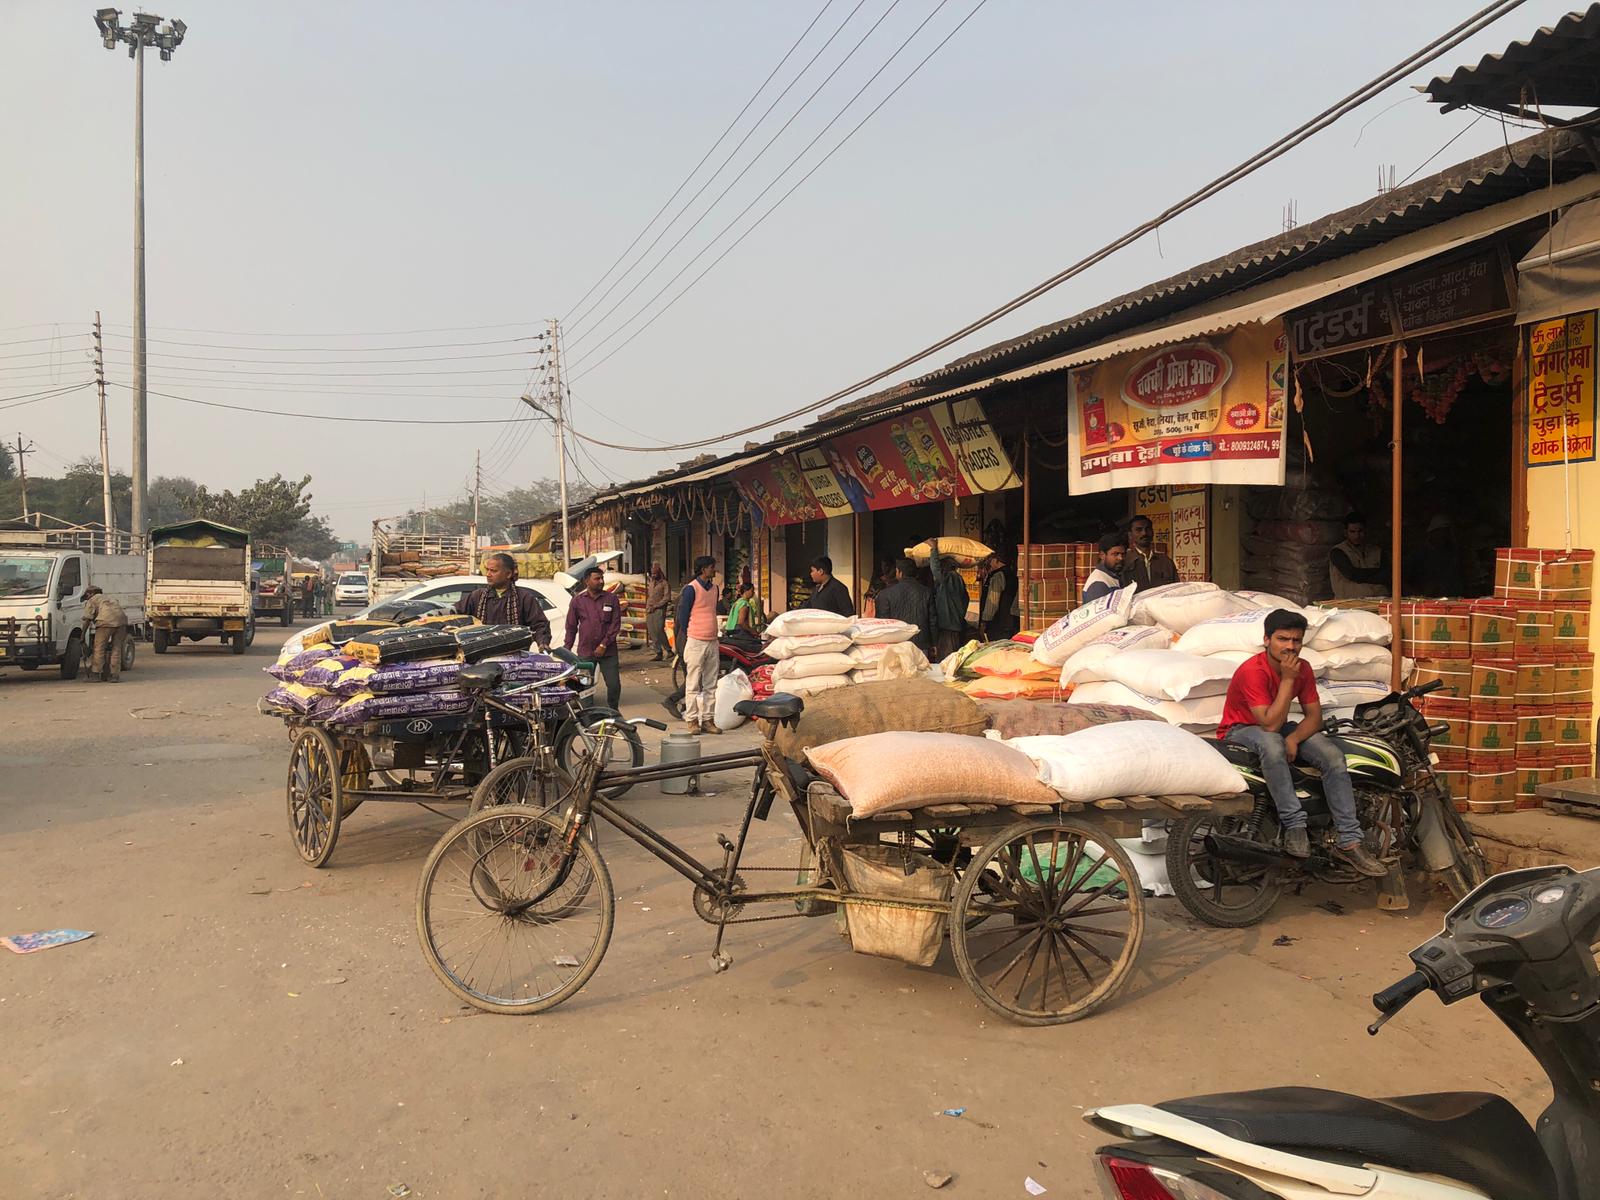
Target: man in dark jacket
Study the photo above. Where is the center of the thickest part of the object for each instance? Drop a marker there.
(949, 609)
(504, 603)
(997, 610)
(827, 593)
(1144, 564)
(907, 600)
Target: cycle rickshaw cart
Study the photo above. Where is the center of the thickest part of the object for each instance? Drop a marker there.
(1042, 907)
(433, 758)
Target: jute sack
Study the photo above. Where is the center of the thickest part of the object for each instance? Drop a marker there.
(892, 772)
(1042, 717)
(914, 705)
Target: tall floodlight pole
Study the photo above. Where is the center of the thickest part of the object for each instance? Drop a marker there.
(146, 30)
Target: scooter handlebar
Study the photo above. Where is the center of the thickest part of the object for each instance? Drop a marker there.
(1397, 995)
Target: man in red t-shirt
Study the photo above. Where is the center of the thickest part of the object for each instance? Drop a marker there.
(1255, 716)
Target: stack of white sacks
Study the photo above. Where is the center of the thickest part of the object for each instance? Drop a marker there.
(818, 650)
(1172, 650)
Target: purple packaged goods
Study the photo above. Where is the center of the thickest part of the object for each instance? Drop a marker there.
(527, 668)
(367, 706)
(324, 673)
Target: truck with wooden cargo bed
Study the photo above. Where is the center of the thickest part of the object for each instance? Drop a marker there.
(200, 585)
(400, 561)
(44, 572)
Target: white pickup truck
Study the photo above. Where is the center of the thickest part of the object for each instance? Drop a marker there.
(199, 585)
(44, 573)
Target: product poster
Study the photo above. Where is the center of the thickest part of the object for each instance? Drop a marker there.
(1561, 391)
(1206, 411)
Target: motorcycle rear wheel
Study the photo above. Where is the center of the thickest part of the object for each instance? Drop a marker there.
(1227, 895)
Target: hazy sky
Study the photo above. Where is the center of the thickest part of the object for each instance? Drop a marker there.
(369, 170)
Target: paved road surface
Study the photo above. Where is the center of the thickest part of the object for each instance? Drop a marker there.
(242, 1026)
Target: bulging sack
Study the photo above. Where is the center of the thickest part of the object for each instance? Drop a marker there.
(1168, 674)
(1008, 660)
(1200, 713)
(1179, 606)
(913, 705)
(1082, 625)
(812, 685)
(1344, 626)
(891, 772)
(731, 688)
(1085, 663)
(807, 643)
(898, 660)
(809, 666)
(1237, 631)
(1131, 758)
(881, 631)
(799, 621)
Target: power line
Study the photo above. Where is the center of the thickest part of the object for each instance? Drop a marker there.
(792, 162)
(27, 398)
(720, 139)
(710, 208)
(326, 362)
(268, 334)
(1428, 53)
(318, 349)
(353, 374)
(305, 416)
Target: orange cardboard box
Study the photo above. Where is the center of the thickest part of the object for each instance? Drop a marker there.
(1529, 780)
(1492, 732)
(1493, 628)
(1573, 624)
(1494, 681)
(1571, 728)
(1526, 573)
(1535, 728)
(1453, 713)
(1491, 788)
(1454, 673)
(1572, 680)
(1436, 628)
(1535, 682)
(1535, 629)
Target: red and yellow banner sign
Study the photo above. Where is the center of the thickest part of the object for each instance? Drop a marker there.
(1209, 411)
(930, 454)
(1561, 391)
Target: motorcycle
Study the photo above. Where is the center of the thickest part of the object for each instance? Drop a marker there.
(1230, 871)
(1521, 943)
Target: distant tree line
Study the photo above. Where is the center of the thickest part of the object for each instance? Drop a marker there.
(497, 513)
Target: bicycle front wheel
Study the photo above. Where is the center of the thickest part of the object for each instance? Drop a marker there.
(509, 919)
(580, 736)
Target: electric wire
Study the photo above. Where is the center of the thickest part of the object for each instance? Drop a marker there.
(1428, 53)
(722, 137)
(538, 337)
(305, 416)
(36, 397)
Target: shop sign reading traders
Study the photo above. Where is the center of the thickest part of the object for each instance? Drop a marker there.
(1201, 412)
(1561, 391)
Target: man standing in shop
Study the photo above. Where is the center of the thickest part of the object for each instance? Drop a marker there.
(1144, 564)
(594, 619)
(907, 600)
(1107, 577)
(504, 603)
(657, 597)
(949, 604)
(997, 614)
(1255, 715)
(1355, 566)
(698, 649)
(827, 593)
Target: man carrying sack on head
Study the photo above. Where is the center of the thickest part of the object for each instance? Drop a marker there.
(504, 603)
(110, 633)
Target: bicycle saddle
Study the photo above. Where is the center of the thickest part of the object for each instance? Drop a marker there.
(780, 706)
(480, 677)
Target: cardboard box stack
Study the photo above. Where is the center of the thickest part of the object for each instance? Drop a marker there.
(633, 589)
(1054, 580)
(1545, 597)
(1438, 635)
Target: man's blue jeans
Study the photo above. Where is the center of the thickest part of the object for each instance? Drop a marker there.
(1316, 751)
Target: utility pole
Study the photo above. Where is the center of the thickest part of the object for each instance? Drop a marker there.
(146, 30)
(21, 452)
(553, 405)
(424, 514)
(477, 487)
(110, 517)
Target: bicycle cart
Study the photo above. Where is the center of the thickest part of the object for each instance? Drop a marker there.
(1041, 906)
(437, 758)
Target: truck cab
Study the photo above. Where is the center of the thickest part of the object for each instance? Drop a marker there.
(44, 573)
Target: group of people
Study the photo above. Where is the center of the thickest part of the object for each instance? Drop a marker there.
(1129, 557)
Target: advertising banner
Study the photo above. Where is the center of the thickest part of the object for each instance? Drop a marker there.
(1208, 411)
(1561, 391)
(926, 455)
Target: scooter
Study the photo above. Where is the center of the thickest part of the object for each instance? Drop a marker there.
(1521, 943)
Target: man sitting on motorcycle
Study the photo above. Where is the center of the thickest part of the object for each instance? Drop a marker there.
(1255, 716)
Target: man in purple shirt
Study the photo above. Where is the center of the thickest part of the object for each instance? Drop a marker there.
(594, 619)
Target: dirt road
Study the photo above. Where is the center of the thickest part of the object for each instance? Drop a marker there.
(242, 1026)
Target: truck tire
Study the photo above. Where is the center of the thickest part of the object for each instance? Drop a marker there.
(72, 660)
(159, 641)
(127, 654)
(286, 617)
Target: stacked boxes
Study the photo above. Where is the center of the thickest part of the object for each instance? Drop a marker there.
(1548, 593)
(1055, 575)
(1438, 635)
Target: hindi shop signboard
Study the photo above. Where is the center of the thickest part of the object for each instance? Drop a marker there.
(1208, 411)
(1561, 391)
(945, 450)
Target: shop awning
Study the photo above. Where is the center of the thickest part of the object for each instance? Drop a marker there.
(1561, 274)
(1268, 301)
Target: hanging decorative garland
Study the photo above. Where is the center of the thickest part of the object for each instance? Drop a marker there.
(1436, 391)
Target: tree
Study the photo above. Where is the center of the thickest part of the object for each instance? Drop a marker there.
(8, 469)
(313, 538)
(170, 499)
(271, 510)
(497, 514)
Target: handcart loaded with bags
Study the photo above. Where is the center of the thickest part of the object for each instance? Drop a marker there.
(1007, 846)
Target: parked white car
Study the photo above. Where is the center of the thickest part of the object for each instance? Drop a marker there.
(351, 588)
(448, 589)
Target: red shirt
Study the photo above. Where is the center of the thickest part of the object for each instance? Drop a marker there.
(1256, 683)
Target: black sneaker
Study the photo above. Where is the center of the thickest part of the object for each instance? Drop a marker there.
(1361, 859)
(1296, 843)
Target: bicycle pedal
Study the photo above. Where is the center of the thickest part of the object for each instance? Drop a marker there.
(720, 962)
(722, 840)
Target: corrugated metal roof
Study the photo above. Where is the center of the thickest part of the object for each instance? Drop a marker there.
(1558, 67)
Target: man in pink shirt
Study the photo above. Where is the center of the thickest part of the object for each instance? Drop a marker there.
(696, 635)
(1256, 715)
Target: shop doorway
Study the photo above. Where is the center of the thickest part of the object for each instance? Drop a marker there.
(678, 560)
(805, 542)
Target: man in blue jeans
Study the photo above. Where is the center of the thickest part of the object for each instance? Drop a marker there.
(1256, 716)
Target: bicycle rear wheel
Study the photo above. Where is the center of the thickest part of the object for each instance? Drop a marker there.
(500, 925)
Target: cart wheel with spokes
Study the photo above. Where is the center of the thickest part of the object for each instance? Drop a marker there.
(1226, 894)
(1046, 921)
(509, 919)
(316, 795)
